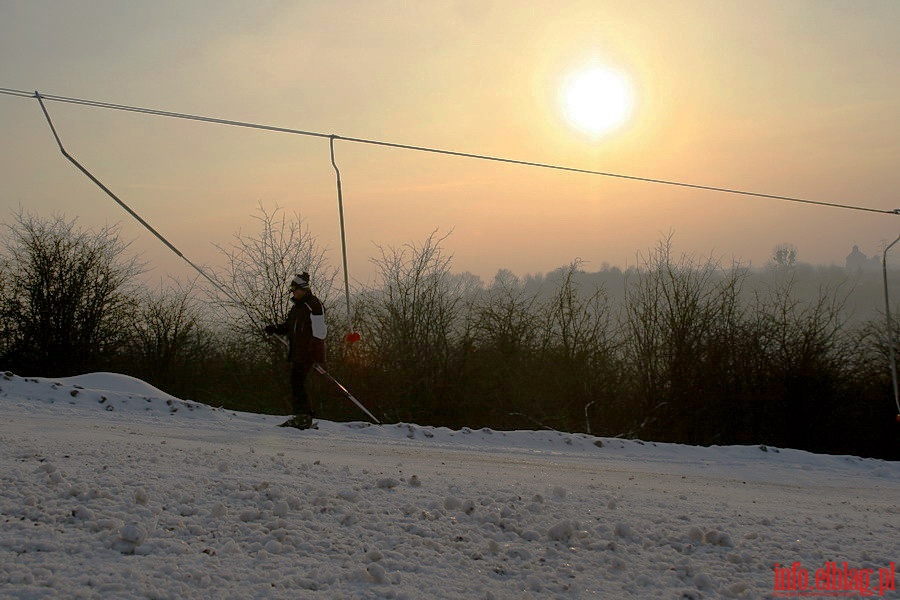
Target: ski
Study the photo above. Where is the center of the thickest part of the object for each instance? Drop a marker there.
(321, 371)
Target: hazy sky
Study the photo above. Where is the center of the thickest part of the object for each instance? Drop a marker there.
(796, 98)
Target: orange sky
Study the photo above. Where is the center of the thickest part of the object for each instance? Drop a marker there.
(790, 98)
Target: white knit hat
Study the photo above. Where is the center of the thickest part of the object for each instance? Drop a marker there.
(301, 280)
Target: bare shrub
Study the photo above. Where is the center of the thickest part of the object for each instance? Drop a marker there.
(506, 338)
(412, 324)
(799, 356)
(170, 341)
(580, 348)
(65, 296)
(681, 319)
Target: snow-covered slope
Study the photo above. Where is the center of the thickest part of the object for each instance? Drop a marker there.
(114, 489)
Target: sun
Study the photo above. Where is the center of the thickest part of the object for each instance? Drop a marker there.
(597, 100)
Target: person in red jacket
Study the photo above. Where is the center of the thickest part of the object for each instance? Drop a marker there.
(305, 330)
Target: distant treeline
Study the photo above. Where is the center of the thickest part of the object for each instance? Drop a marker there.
(675, 349)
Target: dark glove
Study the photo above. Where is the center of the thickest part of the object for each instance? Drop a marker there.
(270, 329)
(317, 350)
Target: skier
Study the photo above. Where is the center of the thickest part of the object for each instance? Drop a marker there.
(305, 330)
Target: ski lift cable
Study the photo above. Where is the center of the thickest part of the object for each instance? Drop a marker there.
(127, 208)
(217, 284)
(411, 147)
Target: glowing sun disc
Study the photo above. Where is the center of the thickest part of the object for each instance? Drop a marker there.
(597, 100)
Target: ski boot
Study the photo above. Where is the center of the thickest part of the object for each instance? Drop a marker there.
(300, 422)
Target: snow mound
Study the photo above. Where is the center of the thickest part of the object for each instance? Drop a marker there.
(115, 383)
(109, 392)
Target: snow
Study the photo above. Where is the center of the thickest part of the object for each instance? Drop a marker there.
(114, 489)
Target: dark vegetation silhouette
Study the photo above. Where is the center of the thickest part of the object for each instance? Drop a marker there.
(675, 349)
(64, 295)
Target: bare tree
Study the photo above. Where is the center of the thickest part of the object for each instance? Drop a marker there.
(259, 266)
(784, 256)
(577, 327)
(65, 296)
(7, 326)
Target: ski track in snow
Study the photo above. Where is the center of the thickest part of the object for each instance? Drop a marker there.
(114, 489)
